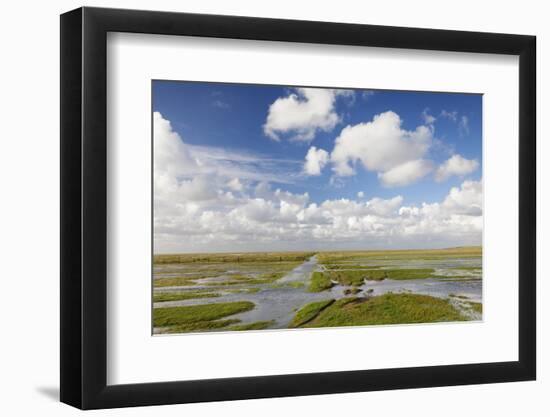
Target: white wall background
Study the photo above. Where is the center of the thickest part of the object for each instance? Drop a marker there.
(29, 226)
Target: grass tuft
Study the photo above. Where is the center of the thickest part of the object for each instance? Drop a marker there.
(352, 291)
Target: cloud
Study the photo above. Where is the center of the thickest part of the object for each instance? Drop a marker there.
(459, 217)
(200, 205)
(264, 190)
(281, 220)
(192, 179)
(455, 165)
(467, 199)
(381, 145)
(428, 118)
(235, 184)
(302, 113)
(366, 94)
(177, 159)
(451, 115)
(383, 207)
(197, 189)
(462, 121)
(171, 156)
(220, 104)
(316, 159)
(406, 174)
(464, 126)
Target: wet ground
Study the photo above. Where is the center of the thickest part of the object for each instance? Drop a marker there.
(458, 278)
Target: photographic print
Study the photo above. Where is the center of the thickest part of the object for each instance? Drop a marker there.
(290, 207)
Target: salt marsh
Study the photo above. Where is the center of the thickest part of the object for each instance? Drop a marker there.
(266, 291)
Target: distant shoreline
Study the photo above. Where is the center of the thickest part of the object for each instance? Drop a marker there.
(244, 256)
(473, 247)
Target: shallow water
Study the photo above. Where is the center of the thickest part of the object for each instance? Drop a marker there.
(278, 302)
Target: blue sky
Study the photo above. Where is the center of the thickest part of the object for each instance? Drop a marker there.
(368, 144)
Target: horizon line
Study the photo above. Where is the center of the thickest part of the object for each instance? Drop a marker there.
(322, 251)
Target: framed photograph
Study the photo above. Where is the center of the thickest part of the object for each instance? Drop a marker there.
(258, 208)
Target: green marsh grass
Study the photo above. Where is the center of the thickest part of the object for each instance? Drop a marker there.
(233, 257)
(319, 282)
(383, 309)
(198, 326)
(309, 312)
(423, 254)
(358, 277)
(257, 325)
(178, 296)
(187, 315)
(477, 307)
(174, 282)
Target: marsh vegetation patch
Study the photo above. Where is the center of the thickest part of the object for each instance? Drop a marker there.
(159, 297)
(383, 309)
(239, 292)
(198, 317)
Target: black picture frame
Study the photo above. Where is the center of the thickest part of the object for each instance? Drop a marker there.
(84, 207)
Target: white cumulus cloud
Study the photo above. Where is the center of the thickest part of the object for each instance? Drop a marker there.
(171, 156)
(467, 199)
(459, 217)
(381, 145)
(406, 173)
(455, 165)
(302, 113)
(316, 159)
